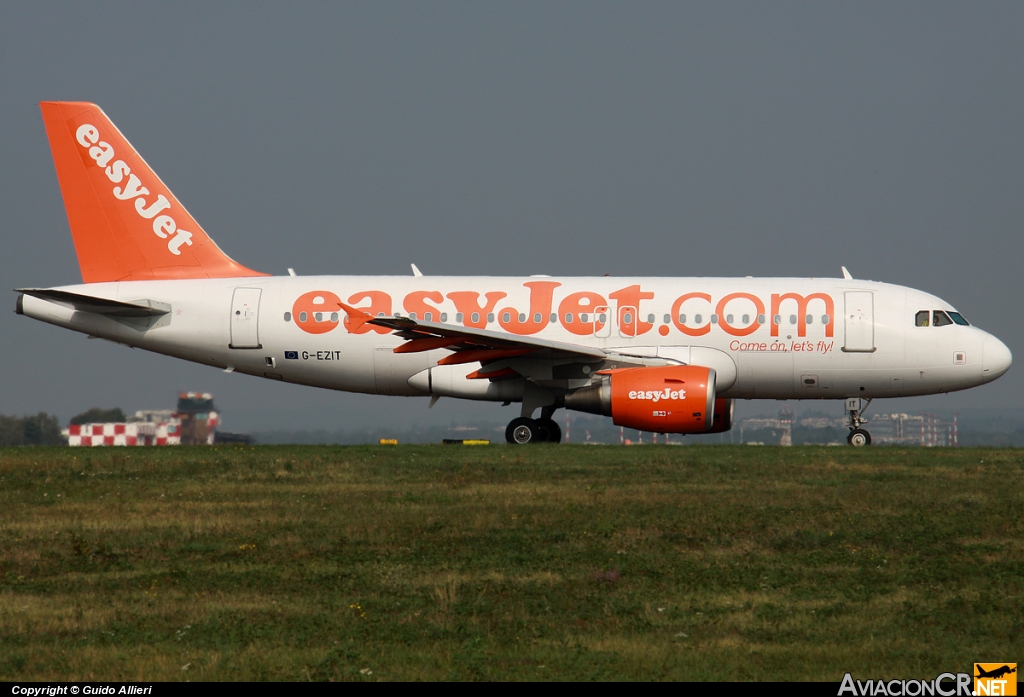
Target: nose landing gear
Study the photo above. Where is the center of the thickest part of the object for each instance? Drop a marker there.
(855, 408)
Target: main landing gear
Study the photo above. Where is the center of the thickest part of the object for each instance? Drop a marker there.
(855, 408)
(526, 430)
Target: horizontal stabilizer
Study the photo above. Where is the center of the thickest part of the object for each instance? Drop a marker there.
(99, 306)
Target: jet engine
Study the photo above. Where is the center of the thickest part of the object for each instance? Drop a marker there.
(666, 399)
(723, 416)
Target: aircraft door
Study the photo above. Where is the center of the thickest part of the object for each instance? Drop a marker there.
(602, 322)
(860, 322)
(245, 315)
(627, 322)
(384, 368)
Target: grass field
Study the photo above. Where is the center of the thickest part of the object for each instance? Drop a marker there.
(544, 562)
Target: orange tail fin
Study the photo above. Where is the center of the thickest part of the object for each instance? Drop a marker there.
(127, 225)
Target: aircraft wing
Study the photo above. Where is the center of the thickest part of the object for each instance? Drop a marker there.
(100, 306)
(470, 345)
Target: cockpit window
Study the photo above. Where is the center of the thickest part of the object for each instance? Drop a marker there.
(921, 319)
(941, 319)
(959, 319)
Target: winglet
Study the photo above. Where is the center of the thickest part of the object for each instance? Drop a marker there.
(846, 274)
(415, 270)
(357, 318)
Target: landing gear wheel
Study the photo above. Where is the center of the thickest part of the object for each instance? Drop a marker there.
(554, 432)
(858, 438)
(522, 431)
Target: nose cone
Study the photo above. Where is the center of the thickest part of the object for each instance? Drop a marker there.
(995, 359)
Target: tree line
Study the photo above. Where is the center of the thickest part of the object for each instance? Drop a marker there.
(41, 429)
(44, 429)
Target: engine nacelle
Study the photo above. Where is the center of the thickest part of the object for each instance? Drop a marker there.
(723, 416)
(666, 399)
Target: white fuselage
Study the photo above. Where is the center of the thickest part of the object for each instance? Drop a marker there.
(768, 338)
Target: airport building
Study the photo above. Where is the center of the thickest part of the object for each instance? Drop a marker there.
(194, 422)
(927, 430)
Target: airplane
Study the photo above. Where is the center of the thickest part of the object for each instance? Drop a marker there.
(995, 672)
(665, 355)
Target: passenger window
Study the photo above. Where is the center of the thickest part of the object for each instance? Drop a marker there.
(698, 319)
(536, 318)
(668, 318)
(921, 319)
(778, 320)
(428, 317)
(458, 316)
(554, 318)
(626, 318)
(568, 318)
(792, 319)
(583, 317)
(303, 316)
(825, 319)
(714, 319)
(444, 316)
(682, 319)
(522, 317)
(287, 317)
(760, 319)
(505, 317)
(490, 317)
(412, 315)
(319, 317)
(475, 317)
(602, 318)
(746, 319)
(810, 319)
(728, 319)
(334, 316)
(941, 319)
(650, 319)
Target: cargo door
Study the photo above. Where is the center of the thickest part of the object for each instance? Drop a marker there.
(383, 369)
(860, 322)
(245, 315)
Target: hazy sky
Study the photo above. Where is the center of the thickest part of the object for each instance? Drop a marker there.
(663, 139)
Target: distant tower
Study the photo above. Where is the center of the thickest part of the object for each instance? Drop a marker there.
(786, 422)
(198, 417)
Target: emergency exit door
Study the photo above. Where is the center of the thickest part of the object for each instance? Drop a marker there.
(860, 322)
(245, 315)
(627, 322)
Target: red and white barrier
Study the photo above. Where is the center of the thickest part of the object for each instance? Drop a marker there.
(129, 434)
